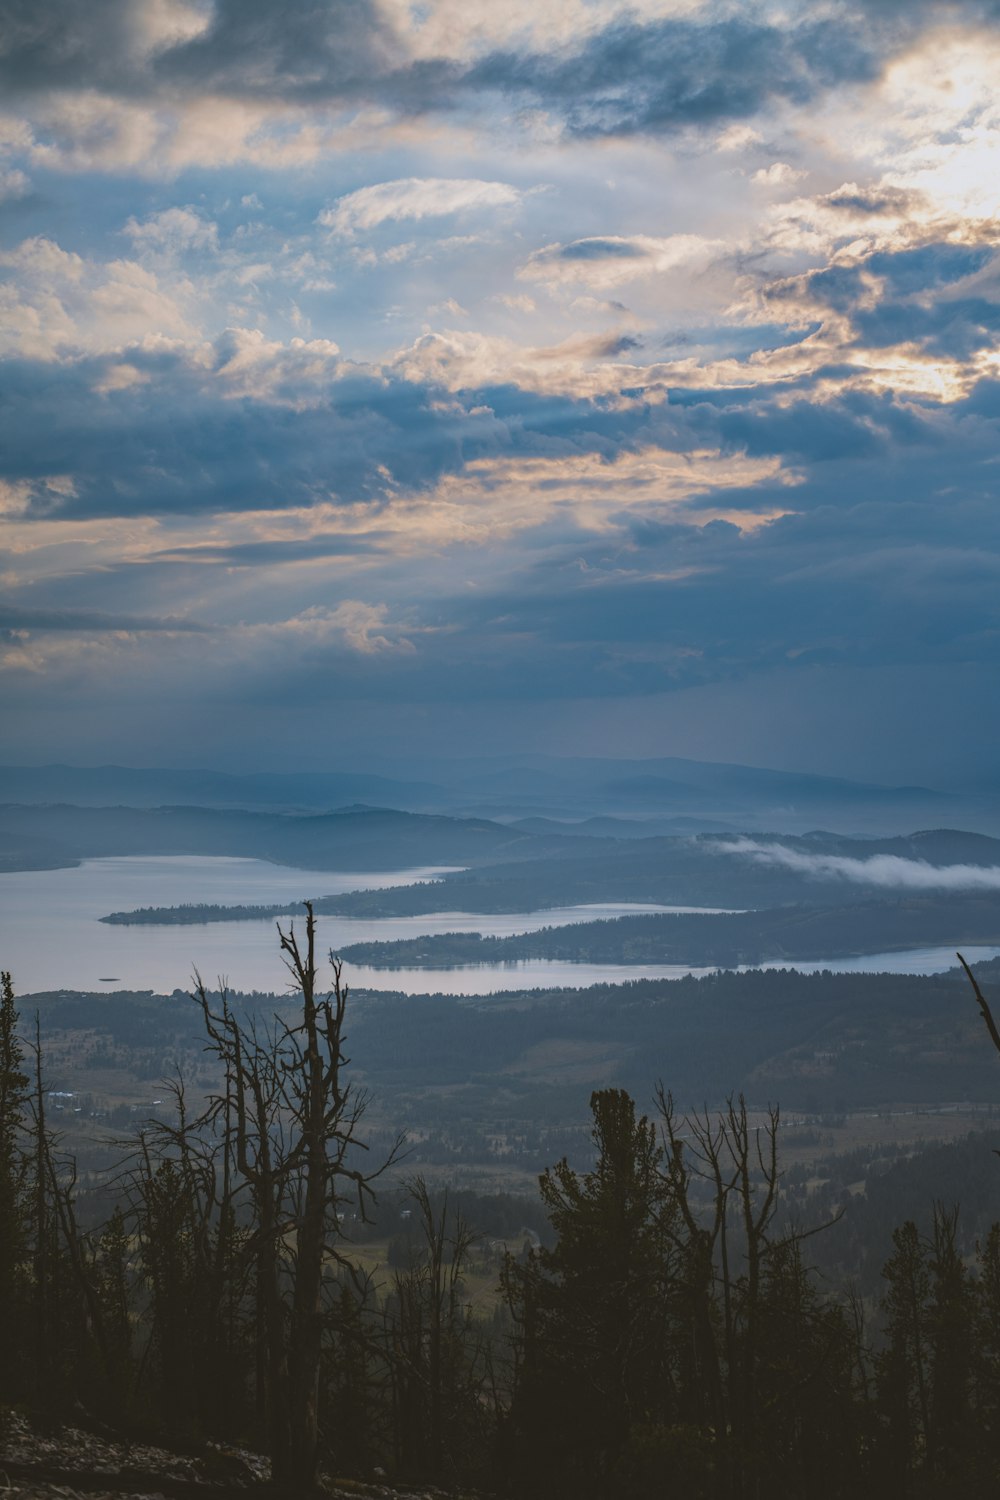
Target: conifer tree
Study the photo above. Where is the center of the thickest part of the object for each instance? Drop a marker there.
(592, 1310)
(904, 1369)
(986, 1358)
(950, 1320)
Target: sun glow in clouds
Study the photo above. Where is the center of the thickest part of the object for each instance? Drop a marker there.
(354, 343)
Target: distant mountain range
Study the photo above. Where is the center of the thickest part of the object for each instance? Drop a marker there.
(353, 838)
(506, 869)
(654, 796)
(127, 786)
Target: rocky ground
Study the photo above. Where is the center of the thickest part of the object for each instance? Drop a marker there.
(74, 1463)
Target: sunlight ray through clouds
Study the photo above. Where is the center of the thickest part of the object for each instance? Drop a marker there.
(430, 311)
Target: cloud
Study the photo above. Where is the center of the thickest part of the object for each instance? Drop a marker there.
(86, 621)
(352, 625)
(274, 551)
(242, 425)
(889, 871)
(872, 202)
(222, 401)
(57, 301)
(414, 198)
(306, 50)
(668, 74)
(63, 45)
(174, 230)
(778, 174)
(606, 260)
(614, 73)
(13, 183)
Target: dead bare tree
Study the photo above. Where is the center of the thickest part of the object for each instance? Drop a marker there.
(436, 1366)
(294, 1120)
(723, 1177)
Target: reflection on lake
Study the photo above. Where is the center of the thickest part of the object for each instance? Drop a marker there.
(51, 938)
(527, 974)
(520, 974)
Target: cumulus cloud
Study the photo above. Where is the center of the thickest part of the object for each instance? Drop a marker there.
(174, 230)
(889, 871)
(414, 198)
(13, 183)
(58, 301)
(778, 174)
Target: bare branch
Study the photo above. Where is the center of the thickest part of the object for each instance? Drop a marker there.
(984, 1009)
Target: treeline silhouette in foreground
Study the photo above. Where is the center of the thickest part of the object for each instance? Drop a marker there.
(670, 1339)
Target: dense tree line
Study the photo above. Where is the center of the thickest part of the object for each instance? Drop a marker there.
(668, 1335)
(724, 938)
(821, 1043)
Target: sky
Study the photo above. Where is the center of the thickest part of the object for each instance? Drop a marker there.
(457, 377)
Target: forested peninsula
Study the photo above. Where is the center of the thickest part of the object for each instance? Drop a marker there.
(803, 932)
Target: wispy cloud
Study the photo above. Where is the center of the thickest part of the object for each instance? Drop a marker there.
(888, 871)
(605, 260)
(415, 198)
(13, 618)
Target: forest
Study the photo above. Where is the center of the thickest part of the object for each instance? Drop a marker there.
(725, 938)
(464, 1069)
(662, 1317)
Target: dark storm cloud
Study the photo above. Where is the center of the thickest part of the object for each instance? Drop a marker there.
(696, 606)
(630, 76)
(299, 50)
(672, 73)
(909, 296)
(304, 50)
(855, 426)
(677, 605)
(900, 273)
(64, 45)
(787, 420)
(186, 443)
(176, 446)
(953, 330)
(180, 444)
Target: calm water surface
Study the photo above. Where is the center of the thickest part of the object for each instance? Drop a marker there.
(51, 938)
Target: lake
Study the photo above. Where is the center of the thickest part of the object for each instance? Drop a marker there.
(51, 938)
